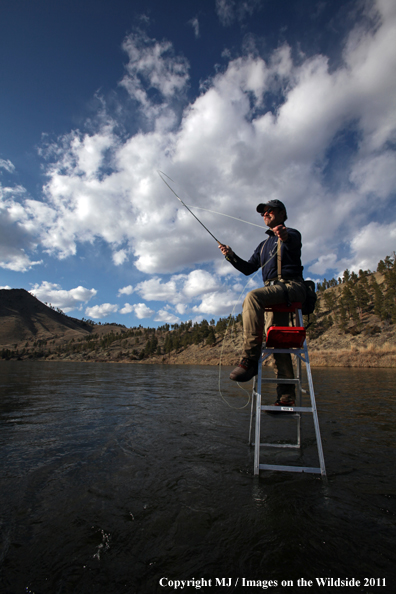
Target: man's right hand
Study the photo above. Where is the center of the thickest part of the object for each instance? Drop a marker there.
(225, 249)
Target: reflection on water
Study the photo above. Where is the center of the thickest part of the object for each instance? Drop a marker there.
(114, 476)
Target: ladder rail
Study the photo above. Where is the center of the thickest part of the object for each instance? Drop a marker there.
(313, 401)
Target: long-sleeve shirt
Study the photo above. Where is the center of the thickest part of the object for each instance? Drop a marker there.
(265, 256)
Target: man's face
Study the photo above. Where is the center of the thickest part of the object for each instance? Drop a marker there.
(273, 217)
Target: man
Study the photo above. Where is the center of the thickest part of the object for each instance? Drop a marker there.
(289, 288)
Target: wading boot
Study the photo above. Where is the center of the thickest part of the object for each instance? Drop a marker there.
(246, 369)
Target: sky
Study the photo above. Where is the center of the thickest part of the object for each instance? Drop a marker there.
(236, 101)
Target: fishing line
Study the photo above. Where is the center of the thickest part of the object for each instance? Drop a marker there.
(161, 173)
(229, 216)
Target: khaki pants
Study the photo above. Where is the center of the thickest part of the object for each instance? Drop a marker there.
(256, 321)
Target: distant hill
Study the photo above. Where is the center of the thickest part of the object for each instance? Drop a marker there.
(24, 318)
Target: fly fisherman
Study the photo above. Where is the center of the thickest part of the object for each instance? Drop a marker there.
(290, 287)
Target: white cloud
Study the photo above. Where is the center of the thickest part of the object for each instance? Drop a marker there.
(128, 308)
(199, 282)
(139, 309)
(324, 263)
(181, 308)
(180, 289)
(376, 175)
(6, 288)
(7, 165)
(15, 259)
(198, 291)
(225, 11)
(219, 304)
(153, 65)
(66, 300)
(230, 10)
(16, 236)
(195, 25)
(155, 290)
(370, 245)
(101, 311)
(126, 290)
(142, 311)
(164, 315)
(367, 247)
(120, 257)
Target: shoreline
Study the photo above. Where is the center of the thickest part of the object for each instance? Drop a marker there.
(363, 358)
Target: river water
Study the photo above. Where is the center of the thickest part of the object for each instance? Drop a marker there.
(132, 478)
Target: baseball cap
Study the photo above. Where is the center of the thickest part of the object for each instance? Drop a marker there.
(274, 203)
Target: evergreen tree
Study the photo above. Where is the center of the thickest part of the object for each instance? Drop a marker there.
(175, 342)
(346, 276)
(362, 298)
(211, 337)
(342, 320)
(330, 300)
(378, 299)
(168, 344)
(197, 336)
(389, 308)
(349, 300)
(381, 267)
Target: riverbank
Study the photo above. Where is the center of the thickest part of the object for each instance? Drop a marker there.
(370, 356)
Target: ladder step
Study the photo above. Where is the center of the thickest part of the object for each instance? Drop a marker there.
(280, 445)
(275, 380)
(310, 469)
(295, 409)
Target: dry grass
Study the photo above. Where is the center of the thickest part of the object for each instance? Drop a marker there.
(356, 356)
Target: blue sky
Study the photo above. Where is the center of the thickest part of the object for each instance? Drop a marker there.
(236, 100)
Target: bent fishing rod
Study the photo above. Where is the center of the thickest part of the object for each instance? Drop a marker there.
(161, 173)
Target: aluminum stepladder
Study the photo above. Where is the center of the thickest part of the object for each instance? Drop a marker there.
(277, 338)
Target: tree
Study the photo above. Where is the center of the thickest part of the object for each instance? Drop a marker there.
(211, 337)
(346, 276)
(349, 300)
(378, 299)
(176, 342)
(389, 308)
(168, 344)
(342, 316)
(362, 298)
(330, 300)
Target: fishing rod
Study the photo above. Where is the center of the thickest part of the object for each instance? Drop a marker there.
(161, 173)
